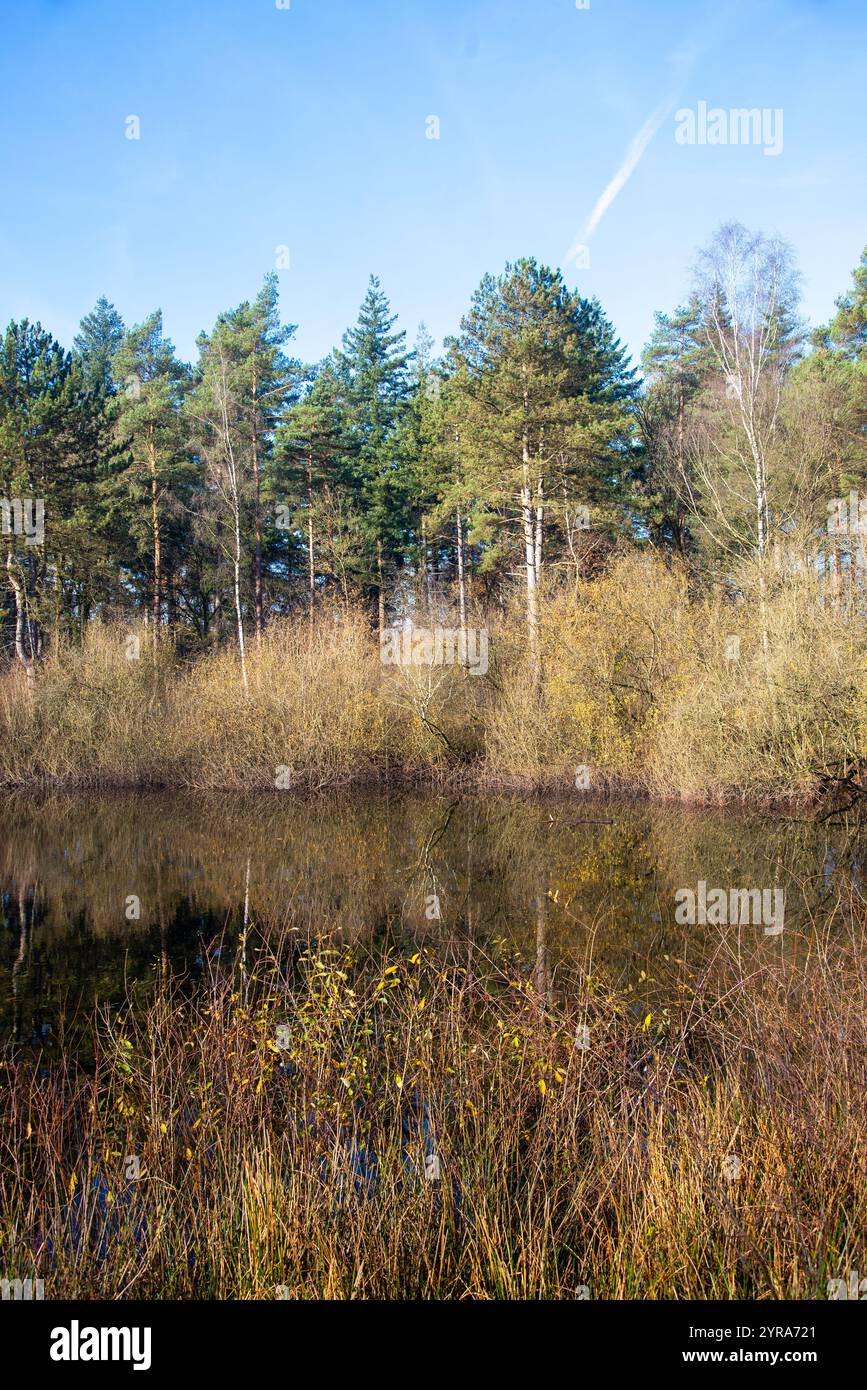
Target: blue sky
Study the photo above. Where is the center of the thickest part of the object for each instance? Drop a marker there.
(306, 127)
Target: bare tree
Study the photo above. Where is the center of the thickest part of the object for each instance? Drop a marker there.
(748, 292)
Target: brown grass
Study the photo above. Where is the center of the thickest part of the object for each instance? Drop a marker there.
(283, 1112)
(637, 686)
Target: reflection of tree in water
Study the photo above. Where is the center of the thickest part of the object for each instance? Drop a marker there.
(25, 909)
(536, 875)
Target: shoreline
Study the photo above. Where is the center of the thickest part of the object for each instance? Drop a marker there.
(408, 781)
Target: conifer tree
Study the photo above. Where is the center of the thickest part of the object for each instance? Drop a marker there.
(50, 441)
(96, 345)
(149, 425)
(676, 364)
(540, 392)
(373, 370)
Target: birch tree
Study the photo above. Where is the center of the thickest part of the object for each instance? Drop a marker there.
(219, 427)
(748, 291)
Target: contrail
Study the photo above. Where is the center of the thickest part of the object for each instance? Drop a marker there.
(681, 61)
(637, 146)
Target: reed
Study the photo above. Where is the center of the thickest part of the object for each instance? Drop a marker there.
(402, 1120)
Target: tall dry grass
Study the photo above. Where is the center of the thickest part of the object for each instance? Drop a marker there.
(401, 1122)
(701, 696)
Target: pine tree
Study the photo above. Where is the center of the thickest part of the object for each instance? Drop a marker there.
(429, 466)
(676, 363)
(540, 395)
(847, 331)
(373, 370)
(49, 442)
(829, 406)
(96, 345)
(315, 482)
(247, 344)
(150, 429)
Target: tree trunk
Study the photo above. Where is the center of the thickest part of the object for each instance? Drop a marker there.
(257, 554)
(426, 560)
(381, 584)
(310, 555)
(462, 592)
(241, 647)
(169, 589)
(762, 537)
(532, 576)
(219, 615)
(58, 608)
(21, 624)
(157, 538)
(539, 520)
(543, 969)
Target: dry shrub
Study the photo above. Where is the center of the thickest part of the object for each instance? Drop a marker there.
(767, 724)
(313, 706)
(91, 714)
(639, 684)
(642, 685)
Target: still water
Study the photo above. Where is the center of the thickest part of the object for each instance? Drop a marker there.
(102, 893)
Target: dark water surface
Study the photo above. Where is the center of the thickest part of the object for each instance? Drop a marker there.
(548, 879)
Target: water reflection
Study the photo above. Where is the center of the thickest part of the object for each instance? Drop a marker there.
(100, 893)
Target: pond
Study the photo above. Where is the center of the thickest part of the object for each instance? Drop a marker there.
(101, 893)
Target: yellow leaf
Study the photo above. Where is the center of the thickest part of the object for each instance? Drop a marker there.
(542, 1087)
(646, 1023)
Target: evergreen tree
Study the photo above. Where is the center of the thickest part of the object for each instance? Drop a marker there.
(247, 344)
(50, 441)
(540, 396)
(315, 482)
(96, 345)
(373, 370)
(676, 364)
(827, 414)
(429, 467)
(847, 331)
(158, 465)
